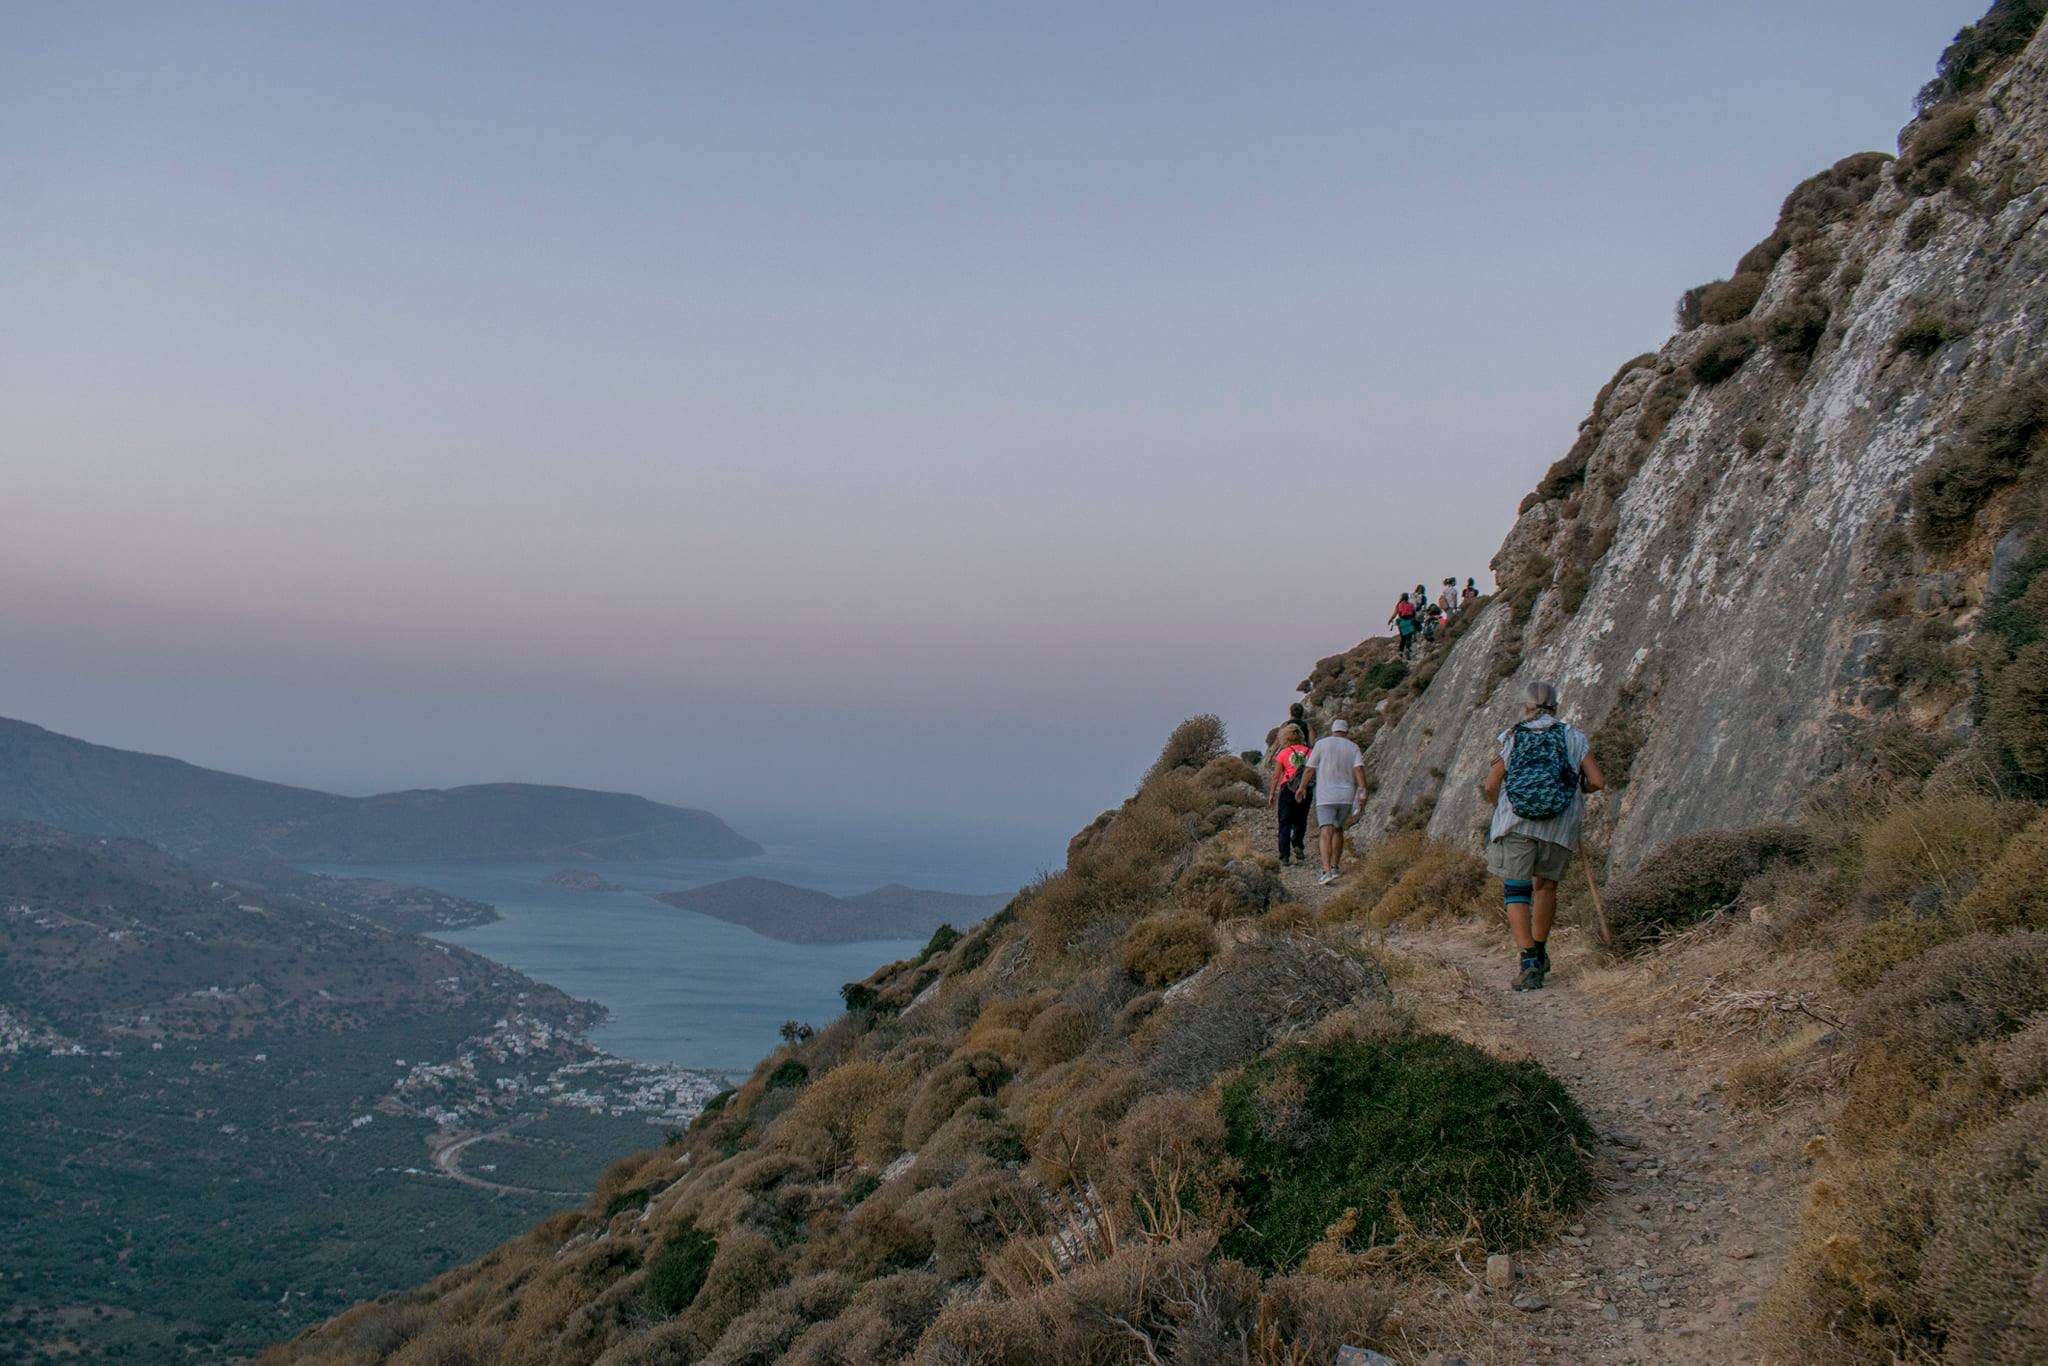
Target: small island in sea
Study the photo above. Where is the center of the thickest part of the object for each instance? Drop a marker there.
(799, 915)
(581, 880)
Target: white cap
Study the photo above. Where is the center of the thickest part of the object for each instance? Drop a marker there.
(1339, 726)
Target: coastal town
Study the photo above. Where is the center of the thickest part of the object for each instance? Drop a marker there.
(501, 1071)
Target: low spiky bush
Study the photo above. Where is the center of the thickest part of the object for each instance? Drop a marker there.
(1228, 888)
(1985, 1254)
(1981, 49)
(2013, 892)
(1721, 357)
(679, 1270)
(1938, 148)
(1057, 1033)
(1687, 879)
(1166, 946)
(1795, 330)
(1730, 301)
(1926, 331)
(1455, 1140)
(1194, 742)
(1254, 996)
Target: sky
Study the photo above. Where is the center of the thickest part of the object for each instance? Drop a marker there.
(882, 417)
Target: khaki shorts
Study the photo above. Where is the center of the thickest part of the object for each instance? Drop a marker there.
(1521, 857)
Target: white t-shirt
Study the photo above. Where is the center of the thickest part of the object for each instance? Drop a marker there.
(1333, 758)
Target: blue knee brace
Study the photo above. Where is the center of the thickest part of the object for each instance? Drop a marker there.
(1516, 893)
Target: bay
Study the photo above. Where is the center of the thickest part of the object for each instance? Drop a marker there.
(683, 988)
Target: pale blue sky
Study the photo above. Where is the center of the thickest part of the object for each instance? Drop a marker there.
(813, 410)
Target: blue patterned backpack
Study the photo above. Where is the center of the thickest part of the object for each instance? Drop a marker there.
(1541, 781)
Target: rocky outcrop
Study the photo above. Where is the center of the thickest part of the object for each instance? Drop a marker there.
(1713, 572)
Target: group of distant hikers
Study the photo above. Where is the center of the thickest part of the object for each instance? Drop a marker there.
(1536, 785)
(1416, 617)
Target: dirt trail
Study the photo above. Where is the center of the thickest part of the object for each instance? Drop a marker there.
(1668, 1262)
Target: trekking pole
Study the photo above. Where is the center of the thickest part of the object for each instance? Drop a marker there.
(1599, 906)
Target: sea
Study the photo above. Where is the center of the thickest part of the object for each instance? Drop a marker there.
(687, 989)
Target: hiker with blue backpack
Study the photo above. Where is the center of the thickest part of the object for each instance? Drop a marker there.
(1537, 786)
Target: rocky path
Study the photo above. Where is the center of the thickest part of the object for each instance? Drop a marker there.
(1668, 1263)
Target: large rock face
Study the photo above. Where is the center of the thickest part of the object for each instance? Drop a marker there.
(1726, 562)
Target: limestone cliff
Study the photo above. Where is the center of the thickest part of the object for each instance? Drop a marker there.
(1712, 571)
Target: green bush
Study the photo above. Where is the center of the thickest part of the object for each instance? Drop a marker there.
(1681, 883)
(1723, 356)
(2002, 432)
(1833, 195)
(1730, 301)
(943, 938)
(1927, 331)
(1795, 330)
(1459, 1139)
(1661, 404)
(625, 1200)
(861, 996)
(1388, 673)
(1980, 49)
(789, 1072)
(678, 1272)
(1938, 148)
(1194, 742)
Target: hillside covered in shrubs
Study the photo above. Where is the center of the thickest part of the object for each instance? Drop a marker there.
(1152, 1106)
(1160, 1110)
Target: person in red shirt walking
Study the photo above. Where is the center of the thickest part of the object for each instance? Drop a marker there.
(1290, 812)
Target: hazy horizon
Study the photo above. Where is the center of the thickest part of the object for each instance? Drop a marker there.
(826, 418)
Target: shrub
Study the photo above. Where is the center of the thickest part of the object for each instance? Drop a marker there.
(950, 1085)
(1386, 674)
(1930, 852)
(1920, 230)
(1194, 742)
(2016, 709)
(1681, 883)
(625, 1200)
(790, 1072)
(2013, 893)
(862, 996)
(1055, 1034)
(942, 940)
(1926, 331)
(1980, 49)
(1916, 1024)
(1939, 147)
(1372, 877)
(1226, 889)
(1795, 330)
(1619, 737)
(1832, 196)
(856, 1109)
(1730, 301)
(1166, 946)
(1456, 1140)
(1444, 881)
(881, 1323)
(2002, 432)
(1722, 356)
(1864, 960)
(1255, 996)
(1989, 1244)
(1917, 655)
(1661, 404)
(679, 1270)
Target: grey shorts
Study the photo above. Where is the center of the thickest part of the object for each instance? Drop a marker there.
(1333, 815)
(1521, 857)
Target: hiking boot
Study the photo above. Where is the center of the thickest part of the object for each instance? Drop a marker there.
(1531, 976)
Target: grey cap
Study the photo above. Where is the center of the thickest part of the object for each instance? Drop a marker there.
(1339, 726)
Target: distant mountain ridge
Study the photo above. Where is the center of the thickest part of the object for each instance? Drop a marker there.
(94, 789)
(800, 915)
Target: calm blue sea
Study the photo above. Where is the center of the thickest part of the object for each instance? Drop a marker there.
(681, 987)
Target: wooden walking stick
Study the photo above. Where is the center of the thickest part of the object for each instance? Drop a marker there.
(1606, 933)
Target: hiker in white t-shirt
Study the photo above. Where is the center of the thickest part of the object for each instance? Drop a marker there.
(1337, 767)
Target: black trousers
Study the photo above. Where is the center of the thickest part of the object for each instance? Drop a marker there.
(1293, 818)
